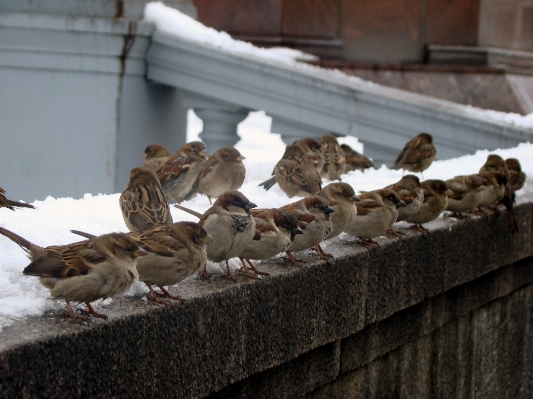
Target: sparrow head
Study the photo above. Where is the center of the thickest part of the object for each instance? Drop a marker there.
(425, 138)
(513, 164)
(228, 154)
(390, 197)
(117, 245)
(286, 221)
(317, 203)
(328, 140)
(308, 143)
(234, 201)
(437, 186)
(293, 152)
(411, 181)
(494, 161)
(155, 151)
(193, 232)
(340, 192)
(141, 176)
(195, 150)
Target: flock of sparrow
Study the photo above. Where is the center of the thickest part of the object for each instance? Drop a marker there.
(160, 252)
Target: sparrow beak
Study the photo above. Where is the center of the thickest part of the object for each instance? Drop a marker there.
(144, 155)
(140, 252)
(203, 153)
(240, 158)
(297, 230)
(355, 198)
(209, 238)
(329, 209)
(250, 205)
(401, 203)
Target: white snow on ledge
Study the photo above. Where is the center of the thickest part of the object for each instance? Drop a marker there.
(172, 21)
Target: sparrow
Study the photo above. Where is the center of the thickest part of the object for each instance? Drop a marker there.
(355, 160)
(223, 171)
(311, 149)
(493, 189)
(9, 204)
(296, 174)
(275, 230)
(83, 271)
(464, 193)
(341, 197)
(334, 160)
(155, 156)
(174, 253)
(179, 173)
(376, 212)
(495, 163)
(417, 155)
(230, 224)
(313, 215)
(143, 203)
(518, 177)
(410, 191)
(435, 202)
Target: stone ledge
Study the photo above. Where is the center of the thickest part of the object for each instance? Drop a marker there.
(228, 331)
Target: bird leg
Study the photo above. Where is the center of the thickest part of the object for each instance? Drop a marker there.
(204, 273)
(293, 260)
(420, 228)
(228, 274)
(323, 255)
(91, 311)
(154, 296)
(169, 295)
(245, 270)
(368, 242)
(395, 232)
(255, 269)
(73, 314)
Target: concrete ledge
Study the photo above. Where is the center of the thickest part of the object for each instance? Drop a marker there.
(227, 332)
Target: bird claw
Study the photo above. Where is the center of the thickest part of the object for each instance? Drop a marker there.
(92, 312)
(159, 300)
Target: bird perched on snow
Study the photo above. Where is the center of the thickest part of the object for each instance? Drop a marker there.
(376, 212)
(9, 204)
(295, 174)
(518, 178)
(143, 203)
(275, 230)
(341, 197)
(410, 191)
(464, 193)
(83, 271)
(223, 171)
(230, 224)
(435, 202)
(334, 159)
(179, 173)
(174, 253)
(313, 215)
(417, 155)
(355, 160)
(495, 163)
(155, 156)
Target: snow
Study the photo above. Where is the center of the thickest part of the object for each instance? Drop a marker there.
(50, 223)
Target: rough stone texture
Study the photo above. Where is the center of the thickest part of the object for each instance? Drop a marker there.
(227, 332)
(484, 354)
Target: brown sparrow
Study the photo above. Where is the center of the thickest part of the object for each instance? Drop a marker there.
(230, 224)
(275, 230)
(435, 202)
(296, 174)
(313, 218)
(355, 160)
(83, 271)
(417, 155)
(179, 173)
(143, 203)
(223, 171)
(175, 252)
(495, 163)
(464, 193)
(410, 191)
(493, 189)
(155, 156)
(341, 197)
(334, 160)
(518, 178)
(376, 212)
(9, 204)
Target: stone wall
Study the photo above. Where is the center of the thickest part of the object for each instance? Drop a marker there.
(442, 315)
